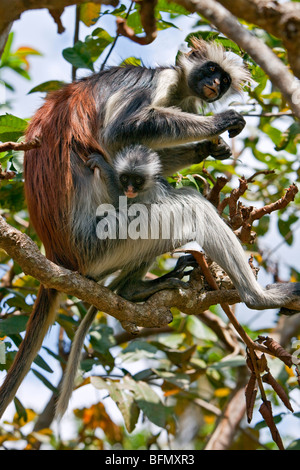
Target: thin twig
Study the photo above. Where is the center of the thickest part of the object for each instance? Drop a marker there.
(31, 144)
(115, 40)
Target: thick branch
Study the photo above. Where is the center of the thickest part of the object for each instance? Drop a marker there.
(226, 23)
(11, 10)
(280, 19)
(153, 313)
(25, 252)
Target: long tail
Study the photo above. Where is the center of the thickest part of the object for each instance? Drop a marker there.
(73, 362)
(222, 246)
(41, 319)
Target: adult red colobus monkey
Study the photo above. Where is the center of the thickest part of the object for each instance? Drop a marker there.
(104, 113)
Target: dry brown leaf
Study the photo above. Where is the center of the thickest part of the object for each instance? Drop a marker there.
(266, 412)
(250, 393)
(277, 350)
(262, 364)
(269, 379)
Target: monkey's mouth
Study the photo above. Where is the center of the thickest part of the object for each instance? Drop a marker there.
(210, 92)
(130, 194)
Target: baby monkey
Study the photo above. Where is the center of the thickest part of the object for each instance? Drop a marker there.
(135, 173)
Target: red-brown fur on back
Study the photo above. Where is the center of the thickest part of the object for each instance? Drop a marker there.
(67, 120)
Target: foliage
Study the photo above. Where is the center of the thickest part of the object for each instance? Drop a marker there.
(161, 381)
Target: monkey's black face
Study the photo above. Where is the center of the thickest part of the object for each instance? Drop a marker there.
(209, 81)
(132, 184)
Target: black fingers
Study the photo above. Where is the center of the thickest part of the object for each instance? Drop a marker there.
(95, 160)
(230, 120)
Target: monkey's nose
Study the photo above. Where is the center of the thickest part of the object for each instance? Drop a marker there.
(216, 81)
(130, 192)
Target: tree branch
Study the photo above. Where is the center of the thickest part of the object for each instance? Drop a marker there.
(282, 20)
(26, 253)
(11, 10)
(153, 313)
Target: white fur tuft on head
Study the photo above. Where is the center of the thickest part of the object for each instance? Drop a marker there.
(138, 159)
(204, 51)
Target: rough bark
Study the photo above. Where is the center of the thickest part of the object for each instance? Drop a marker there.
(11, 10)
(282, 20)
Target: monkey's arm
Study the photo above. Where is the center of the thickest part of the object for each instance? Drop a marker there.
(176, 158)
(159, 127)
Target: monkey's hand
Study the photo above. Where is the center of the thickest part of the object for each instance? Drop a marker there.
(230, 121)
(217, 149)
(96, 160)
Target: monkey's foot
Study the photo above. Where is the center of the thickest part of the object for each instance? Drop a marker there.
(220, 150)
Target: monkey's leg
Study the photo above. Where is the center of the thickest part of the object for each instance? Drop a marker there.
(130, 285)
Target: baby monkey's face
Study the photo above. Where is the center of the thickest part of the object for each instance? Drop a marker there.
(132, 184)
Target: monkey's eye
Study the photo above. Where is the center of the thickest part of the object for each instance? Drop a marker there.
(139, 180)
(225, 80)
(212, 68)
(124, 179)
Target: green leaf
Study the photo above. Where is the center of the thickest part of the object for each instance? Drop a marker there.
(295, 445)
(180, 380)
(13, 324)
(124, 400)
(138, 350)
(134, 22)
(199, 330)
(161, 25)
(7, 48)
(12, 196)
(89, 13)
(11, 127)
(238, 361)
(101, 338)
(97, 42)
(39, 361)
(131, 61)
(45, 381)
(172, 8)
(79, 56)
(84, 54)
(149, 402)
(288, 137)
(277, 419)
(179, 357)
(18, 160)
(206, 35)
(50, 85)
(22, 413)
(284, 227)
